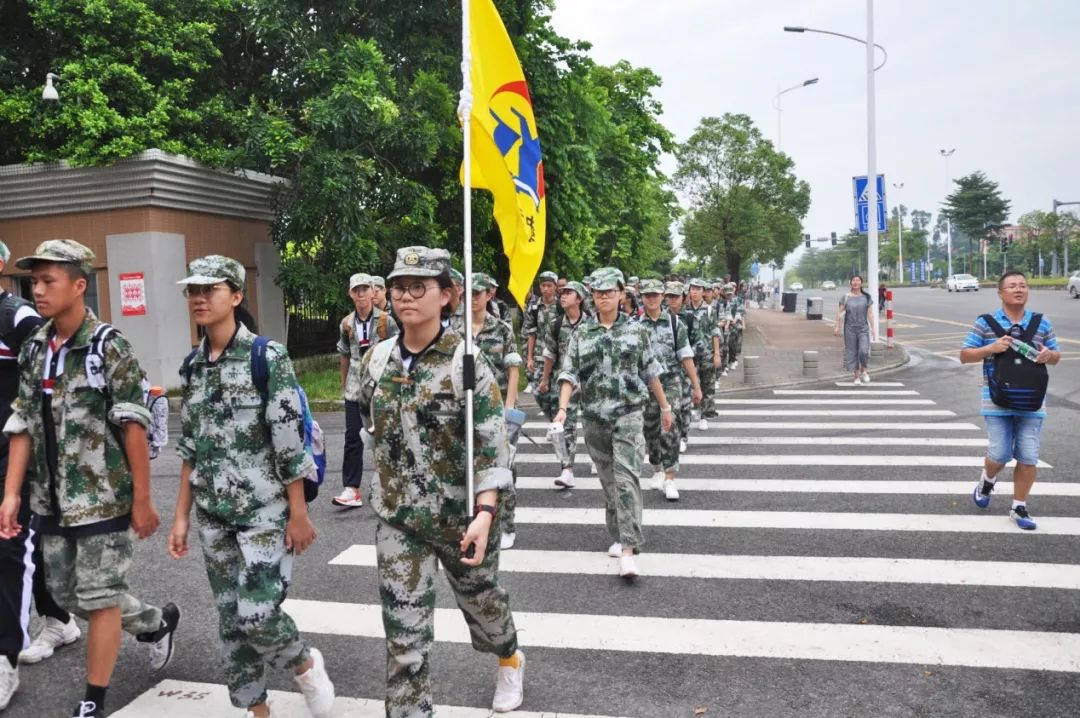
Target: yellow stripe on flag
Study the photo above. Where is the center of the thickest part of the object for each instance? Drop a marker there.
(506, 158)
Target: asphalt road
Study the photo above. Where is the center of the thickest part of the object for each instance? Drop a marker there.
(809, 570)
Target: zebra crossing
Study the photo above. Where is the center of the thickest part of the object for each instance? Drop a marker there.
(790, 579)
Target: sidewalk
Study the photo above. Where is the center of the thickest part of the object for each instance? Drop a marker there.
(780, 338)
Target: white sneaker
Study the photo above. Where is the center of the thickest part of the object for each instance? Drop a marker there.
(670, 492)
(658, 480)
(703, 425)
(9, 682)
(507, 541)
(592, 467)
(349, 498)
(615, 550)
(565, 480)
(509, 686)
(162, 647)
(52, 636)
(682, 446)
(628, 567)
(735, 365)
(316, 686)
(865, 378)
(724, 373)
(529, 388)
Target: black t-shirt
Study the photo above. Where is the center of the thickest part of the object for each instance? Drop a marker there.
(23, 322)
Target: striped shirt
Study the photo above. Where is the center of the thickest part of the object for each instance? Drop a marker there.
(982, 335)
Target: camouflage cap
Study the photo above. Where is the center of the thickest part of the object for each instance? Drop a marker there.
(456, 276)
(482, 282)
(587, 279)
(377, 281)
(66, 251)
(547, 277)
(359, 280)
(5, 253)
(729, 287)
(608, 278)
(576, 287)
(651, 286)
(697, 282)
(633, 280)
(422, 262)
(674, 288)
(214, 269)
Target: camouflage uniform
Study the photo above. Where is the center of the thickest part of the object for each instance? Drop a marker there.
(669, 350)
(613, 367)
(418, 423)
(538, 322)
(85, 498)
(555, 346)
(243, 453)
(705, 324)
(686, 403)
(495, 341)
(738, 313)
(724, 328)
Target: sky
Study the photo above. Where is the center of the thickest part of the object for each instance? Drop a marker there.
(994, 79)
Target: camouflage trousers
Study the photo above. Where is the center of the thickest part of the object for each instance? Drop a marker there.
(618, 448)
(507, 505)
(548, 401)
(663, 446)
(407, 569)
(685, 405)
(249, 571)
(707, 377)
(734, 346)
(89, 573)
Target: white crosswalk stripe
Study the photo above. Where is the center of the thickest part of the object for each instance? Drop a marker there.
(824, 402)
(802, 460)
(844, 392)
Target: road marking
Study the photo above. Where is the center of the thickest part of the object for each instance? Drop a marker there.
(825, 441)
(809, 520)
(533, 426)
(188, 699)
(820, 486)
(872, 384)
(1011, 574)
(706, 637)
(966, 325)
(842, 392)
(838, 412)
(825, 402)
(801, 460)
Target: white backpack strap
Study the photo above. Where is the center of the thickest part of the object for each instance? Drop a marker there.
(95, 356)
(380, 357)
(457, 370)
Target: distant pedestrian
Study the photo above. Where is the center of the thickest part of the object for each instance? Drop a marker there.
(855, 315)
(1013, 410)
(882, 291)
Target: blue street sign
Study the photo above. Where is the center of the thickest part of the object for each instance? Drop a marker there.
(755, 267)
(911, 273)
(862, 208)
(922, 274)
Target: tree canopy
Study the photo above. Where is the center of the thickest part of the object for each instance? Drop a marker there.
(977, 209)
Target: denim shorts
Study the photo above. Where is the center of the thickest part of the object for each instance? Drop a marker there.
(1014, 437)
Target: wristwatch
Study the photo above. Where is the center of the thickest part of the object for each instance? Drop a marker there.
(480, 508)
(666, 409)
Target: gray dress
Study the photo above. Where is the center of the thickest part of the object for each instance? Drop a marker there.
(856, 331)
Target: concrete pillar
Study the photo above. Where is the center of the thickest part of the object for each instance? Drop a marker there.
(809, 363)
(877, 352)
(271, 307)
(751, 369)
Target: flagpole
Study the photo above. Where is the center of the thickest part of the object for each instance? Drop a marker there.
(465, 112)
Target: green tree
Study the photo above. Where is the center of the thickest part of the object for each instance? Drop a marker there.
(745, 198)
(977, 209)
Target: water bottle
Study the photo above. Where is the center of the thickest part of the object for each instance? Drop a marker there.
(1024, 349)
(515, 419)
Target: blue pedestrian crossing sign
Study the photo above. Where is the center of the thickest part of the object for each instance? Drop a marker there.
(862, 208)
(755, 268)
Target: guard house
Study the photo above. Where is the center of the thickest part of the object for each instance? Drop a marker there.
(145, 218)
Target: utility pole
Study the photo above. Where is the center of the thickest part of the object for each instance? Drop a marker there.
(948, 222)
(900, 229)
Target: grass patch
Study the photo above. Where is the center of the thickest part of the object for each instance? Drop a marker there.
(320, 376)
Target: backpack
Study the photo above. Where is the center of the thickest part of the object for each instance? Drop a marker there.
(380, 357)
(314, 439)
(9, 307)
(1017, 383)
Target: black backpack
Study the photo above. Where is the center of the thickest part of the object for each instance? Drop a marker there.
(1017, 383)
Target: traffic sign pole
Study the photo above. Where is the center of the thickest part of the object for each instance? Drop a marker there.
(871, 164)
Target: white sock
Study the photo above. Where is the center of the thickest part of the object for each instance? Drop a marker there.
(1018, 503)
(987, 479)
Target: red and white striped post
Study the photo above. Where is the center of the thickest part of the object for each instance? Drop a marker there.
(888, 319)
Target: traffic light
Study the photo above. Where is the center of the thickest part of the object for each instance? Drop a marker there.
(1005, 242)
(832, 236)
(806, 239)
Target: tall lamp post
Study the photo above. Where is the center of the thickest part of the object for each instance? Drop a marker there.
(900, 230)
(1057, 232)
(872, 268)
(776, 104)
(948, 222)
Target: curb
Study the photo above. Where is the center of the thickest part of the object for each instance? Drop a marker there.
(883, 369)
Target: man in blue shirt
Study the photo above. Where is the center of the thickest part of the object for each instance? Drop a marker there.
(1012, 433)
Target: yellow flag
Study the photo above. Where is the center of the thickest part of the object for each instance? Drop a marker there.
(506, 157)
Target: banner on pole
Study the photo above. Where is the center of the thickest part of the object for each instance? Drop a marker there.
(132, 294)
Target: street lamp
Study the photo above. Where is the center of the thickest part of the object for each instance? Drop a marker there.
(948, 221)
(776, 104)
(1057, 231)
(900, 230)
(872, 268)
(49, 93)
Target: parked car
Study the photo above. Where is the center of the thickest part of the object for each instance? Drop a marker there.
(827, 284)
(796, 287)
(961, 283)
(1073, 287)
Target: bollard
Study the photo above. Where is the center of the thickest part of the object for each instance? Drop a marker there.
(888, 319)
(751, 370)
(809, 363)
(877, 353)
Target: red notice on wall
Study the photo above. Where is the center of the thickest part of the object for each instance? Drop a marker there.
(132, 294)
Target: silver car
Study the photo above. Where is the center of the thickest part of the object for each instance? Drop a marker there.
(1073, 287)
(962, 283)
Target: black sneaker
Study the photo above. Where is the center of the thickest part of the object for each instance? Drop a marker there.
(88, 709)
(162, 642)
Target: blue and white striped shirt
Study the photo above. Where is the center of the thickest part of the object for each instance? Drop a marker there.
(982, 335)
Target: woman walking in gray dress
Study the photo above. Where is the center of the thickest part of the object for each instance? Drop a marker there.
(855, 313)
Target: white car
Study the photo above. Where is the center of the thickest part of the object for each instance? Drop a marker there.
(961, 283)
(828, 285)
(796, 287)
(1073, 287)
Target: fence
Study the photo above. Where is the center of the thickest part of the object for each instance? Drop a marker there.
(311, 331)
